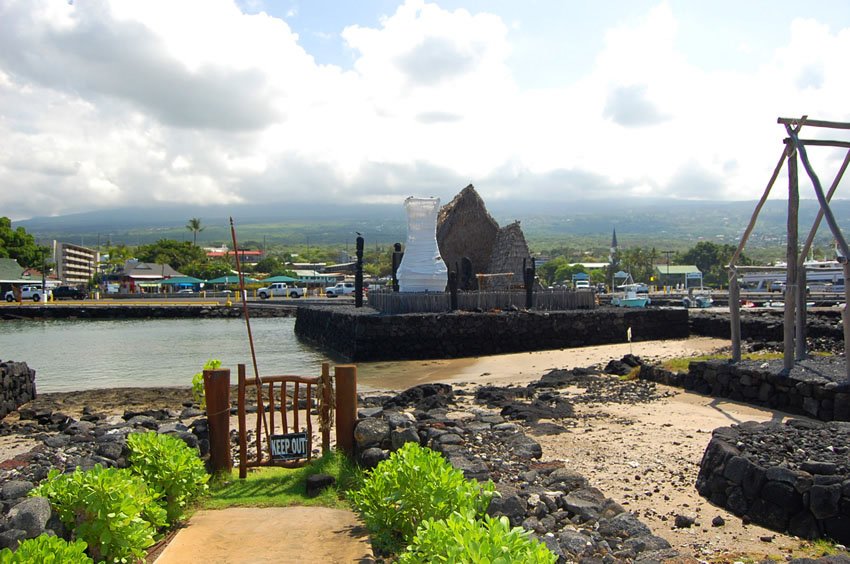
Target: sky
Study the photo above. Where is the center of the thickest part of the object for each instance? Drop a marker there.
(107, 104)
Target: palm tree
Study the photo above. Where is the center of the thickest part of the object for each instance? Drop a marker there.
(194, 226)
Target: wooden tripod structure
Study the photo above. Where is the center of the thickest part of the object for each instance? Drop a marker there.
(795, 294)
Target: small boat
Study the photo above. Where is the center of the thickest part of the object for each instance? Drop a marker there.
(631, 295)
(698, 300)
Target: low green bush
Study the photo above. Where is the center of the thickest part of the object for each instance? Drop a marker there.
(413, 485)
(461, 539)
(47, 549)
(198, 382)
(111, 509)
(170, 467)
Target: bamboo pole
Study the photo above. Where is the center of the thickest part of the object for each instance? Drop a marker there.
(735, 314)
(791, 249)
(813, 123)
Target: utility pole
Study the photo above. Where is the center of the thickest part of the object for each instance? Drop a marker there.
(667, 254)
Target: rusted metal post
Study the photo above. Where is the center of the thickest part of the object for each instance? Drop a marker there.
(325, 413)
(217, 392)
(346, 407)
(735, 314)
(243, 427)
(791, 253)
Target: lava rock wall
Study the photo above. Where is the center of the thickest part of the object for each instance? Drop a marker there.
(804, 394)
(809, 499)
(17, 386)
(359, 335)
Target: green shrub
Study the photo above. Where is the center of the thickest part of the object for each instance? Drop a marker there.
(198, 382)
(413, 485)
(463, 539)
(47, 549)
(169, 467)
(112, 510)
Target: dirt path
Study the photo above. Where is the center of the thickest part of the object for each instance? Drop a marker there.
(646, 457)
(280, 534)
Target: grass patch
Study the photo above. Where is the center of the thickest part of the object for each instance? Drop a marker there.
(682, 364)
(284, 487)
(631, 376)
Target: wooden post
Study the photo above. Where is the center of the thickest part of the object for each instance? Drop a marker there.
(846, 317)
(735, 314)
(217, 392)
(800, 351)
(346, 407)
(243, 431)
(325, 412)
(791, 252)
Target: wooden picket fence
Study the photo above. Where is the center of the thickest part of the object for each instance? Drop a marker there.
(394, 303)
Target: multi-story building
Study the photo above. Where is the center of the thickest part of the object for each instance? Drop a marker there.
(75, 264)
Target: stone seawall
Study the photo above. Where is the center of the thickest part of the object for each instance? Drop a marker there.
(754, 470)
(815, 387)
(765, 325)
(120, 311)
(17, 386)
(359, 335)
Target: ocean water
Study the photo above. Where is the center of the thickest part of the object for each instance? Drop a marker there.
(70, 355)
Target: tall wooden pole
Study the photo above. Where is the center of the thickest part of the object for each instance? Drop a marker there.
(800, 351)
(791, 251)
(735, 314)
(846, 317)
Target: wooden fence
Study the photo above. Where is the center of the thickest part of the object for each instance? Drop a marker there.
(435, 302)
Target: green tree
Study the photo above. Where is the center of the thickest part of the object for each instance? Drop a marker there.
(20, 245)
(194, 226)
(546, 271)
(712, 260)
(208, 269)
(177, 254)
(268, 264)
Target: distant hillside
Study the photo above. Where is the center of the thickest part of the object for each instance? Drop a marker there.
(676, 224)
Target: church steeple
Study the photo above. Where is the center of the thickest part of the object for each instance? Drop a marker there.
(614, 241)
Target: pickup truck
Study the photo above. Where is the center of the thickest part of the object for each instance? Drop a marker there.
(68, 293)
(280, 289)
(340, 289)
(33, 293)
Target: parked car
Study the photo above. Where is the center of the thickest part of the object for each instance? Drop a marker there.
(186, 291)
(69, 293)
(582, 285)
(280, 289)
(340, 289)
(33, 293)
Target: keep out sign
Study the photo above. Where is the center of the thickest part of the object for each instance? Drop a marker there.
(290, 446)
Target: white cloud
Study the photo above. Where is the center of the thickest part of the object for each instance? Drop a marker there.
(112, 103)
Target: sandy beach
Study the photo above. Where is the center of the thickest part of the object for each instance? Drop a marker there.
(644, 456)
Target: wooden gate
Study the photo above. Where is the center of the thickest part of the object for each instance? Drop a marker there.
(285, 437)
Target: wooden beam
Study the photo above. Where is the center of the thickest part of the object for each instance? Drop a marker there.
(800, 350)
(816, 225)
(735, 314)
(814, 122)
(821, 143)
(791, 249)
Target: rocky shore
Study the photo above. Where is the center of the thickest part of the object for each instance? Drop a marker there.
(602, 507)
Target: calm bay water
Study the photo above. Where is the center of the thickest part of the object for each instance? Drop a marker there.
(81, 355)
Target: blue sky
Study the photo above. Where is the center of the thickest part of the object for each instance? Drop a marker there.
(112, 103)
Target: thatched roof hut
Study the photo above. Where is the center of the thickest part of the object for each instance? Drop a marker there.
(509, 251)
(466, 229)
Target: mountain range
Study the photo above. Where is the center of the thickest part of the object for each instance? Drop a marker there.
(639, 222)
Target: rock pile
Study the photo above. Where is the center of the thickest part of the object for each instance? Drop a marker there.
(66, 444)
(17, 386)
(574, 519)
(792, 477)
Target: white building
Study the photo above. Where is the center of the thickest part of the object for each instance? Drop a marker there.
(75, 264)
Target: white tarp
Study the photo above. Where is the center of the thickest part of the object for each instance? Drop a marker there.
(422, 268)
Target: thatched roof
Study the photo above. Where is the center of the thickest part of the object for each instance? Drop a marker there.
(509, 251)
(466, 229)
